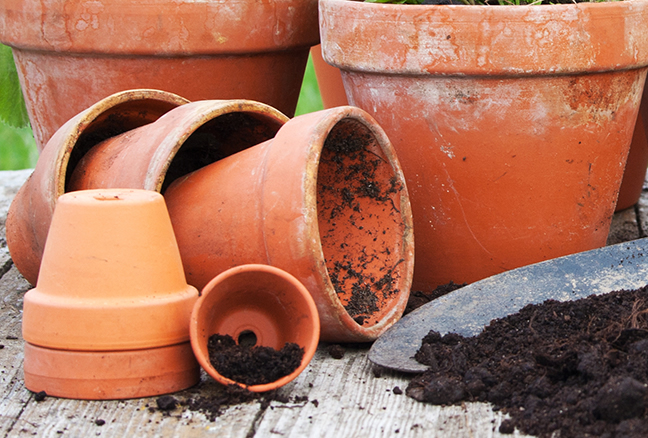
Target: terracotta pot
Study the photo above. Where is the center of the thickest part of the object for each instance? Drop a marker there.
(31, 211)
(634, 174)
(111, 281)
(72, 53)
(512, 123)
(329, 80)
(146, 158)
(325, 200)
(258, 301)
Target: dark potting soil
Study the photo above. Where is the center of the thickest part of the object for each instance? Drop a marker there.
(578, 367)
(254, 365)
(363, 277)
(418, 298)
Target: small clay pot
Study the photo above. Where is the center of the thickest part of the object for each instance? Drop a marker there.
(260, 302)
(325, 200)
(31, 211)
(111, 281)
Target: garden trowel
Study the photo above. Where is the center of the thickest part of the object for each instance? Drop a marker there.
(467, 310)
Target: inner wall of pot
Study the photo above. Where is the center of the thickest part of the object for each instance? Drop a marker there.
(218, 138)
(361, 226)
(115, 121)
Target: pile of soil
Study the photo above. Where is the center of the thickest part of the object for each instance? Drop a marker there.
(252, 365)
(578, 367)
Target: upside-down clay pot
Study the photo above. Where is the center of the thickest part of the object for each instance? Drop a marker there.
(31, 211)
(149, 157)
(70, 54)
(258, 302)
(512, 123)
(329, 80)
(325, 200)
(109, 317)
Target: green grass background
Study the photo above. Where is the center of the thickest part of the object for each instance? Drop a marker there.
(18, 149)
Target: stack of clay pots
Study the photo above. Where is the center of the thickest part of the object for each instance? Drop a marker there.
(283, 225)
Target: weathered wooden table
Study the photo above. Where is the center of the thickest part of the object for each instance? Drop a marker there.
(345, 397)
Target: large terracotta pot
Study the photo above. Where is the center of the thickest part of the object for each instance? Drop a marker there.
(149, 158)
(512, 123)
(31, 211)
(634, 174)
(329, 80)
(259, 303)
(325, 200)
(111, 288)
(72, 53)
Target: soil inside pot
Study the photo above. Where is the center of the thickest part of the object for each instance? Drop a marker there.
(218, 138)
(361, 226)
(252, 365)
(578, 367)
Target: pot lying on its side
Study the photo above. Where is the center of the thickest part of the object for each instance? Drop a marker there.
(31, 211)
(326, 201)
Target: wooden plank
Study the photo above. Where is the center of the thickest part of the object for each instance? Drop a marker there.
(13, 395)
(130, 418)
(347, 399)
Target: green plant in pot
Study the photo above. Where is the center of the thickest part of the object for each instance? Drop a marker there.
(512, 122)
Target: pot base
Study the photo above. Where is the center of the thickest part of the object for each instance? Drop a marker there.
(109, 375)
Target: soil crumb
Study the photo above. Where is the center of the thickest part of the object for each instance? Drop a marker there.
(418, 298)
(252, 365)
(577, 368)
(336, 351)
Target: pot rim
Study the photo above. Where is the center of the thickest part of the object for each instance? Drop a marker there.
(299, 288)
(467, 40)
(159, 27)
(175, 135)
(321, 124)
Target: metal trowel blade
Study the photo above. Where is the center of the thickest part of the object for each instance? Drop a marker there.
(468, 310)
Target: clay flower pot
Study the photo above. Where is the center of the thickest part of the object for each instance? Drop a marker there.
(146, 158)
(109, 317)
(325, 200)
(634, 174)
(260, 302)
(72, 53)
(329, 80)
(512, 123)
(31, 211)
